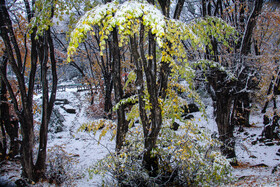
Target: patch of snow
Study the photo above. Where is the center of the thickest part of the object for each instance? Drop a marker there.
(87, 151)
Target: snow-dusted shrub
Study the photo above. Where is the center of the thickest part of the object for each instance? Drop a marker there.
(189, 157)
(60, 166)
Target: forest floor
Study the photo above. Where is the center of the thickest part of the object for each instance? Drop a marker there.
(78, 151)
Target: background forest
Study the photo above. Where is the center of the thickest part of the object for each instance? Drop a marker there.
(173, 84)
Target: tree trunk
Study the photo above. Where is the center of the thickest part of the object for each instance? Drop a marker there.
(222, 103)
(39, 169)
(45, 48)
(151, 123)
(4, 108)
(27, 146)
(243, 100)
(3, 144)
(108, 97)
(14, 147)
(222, 106)
(25, 115)
(122, 126)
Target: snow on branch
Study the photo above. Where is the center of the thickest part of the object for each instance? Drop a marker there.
(204, 63)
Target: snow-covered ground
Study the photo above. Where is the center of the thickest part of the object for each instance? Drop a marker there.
(83, 150)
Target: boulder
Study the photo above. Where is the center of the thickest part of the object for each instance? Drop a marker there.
(189, 116)
(175, 126)
(69, 110)
(275, 169)
(269, 143)
(61, 102)
(190, 108)
(56, 121)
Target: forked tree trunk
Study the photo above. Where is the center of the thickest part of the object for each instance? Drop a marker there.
(151, 123)
(46, 50)
(25, 112)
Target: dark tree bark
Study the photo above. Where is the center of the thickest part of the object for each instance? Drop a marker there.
(151, 124)
(25, 115)
(223, 106)
(108, 82)
(222, 103)
(156, 82)
(221, 90)
(9, 123)
(273, 88)
(24, 111)
(45, 48)
(242, 110)
(122, 126)
(178, 9)
(4, 109)
(105, 64)
(225, 91)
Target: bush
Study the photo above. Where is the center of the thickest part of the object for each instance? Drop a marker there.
(189, 157)
(60, 166)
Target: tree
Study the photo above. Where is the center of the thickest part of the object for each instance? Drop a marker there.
(157, 53)
(9, 121)
(24, 65)
(266, 44)
(228, 83)
(99, 70)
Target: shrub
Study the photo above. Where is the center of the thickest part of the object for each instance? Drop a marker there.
(60, 166)
(189, 157)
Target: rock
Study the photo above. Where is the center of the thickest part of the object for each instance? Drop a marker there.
(21, 183)
(61, 102)
(269, 143)
(261, 139)
(252, 156)
(278, 153)
(254, 142)
(69, 110)
(56, 121)
(275, 168)
(246, 133)
(266, 120)
(260, 165)
(190, 108)
(190, 116)
(175, 126)
(240, 129)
